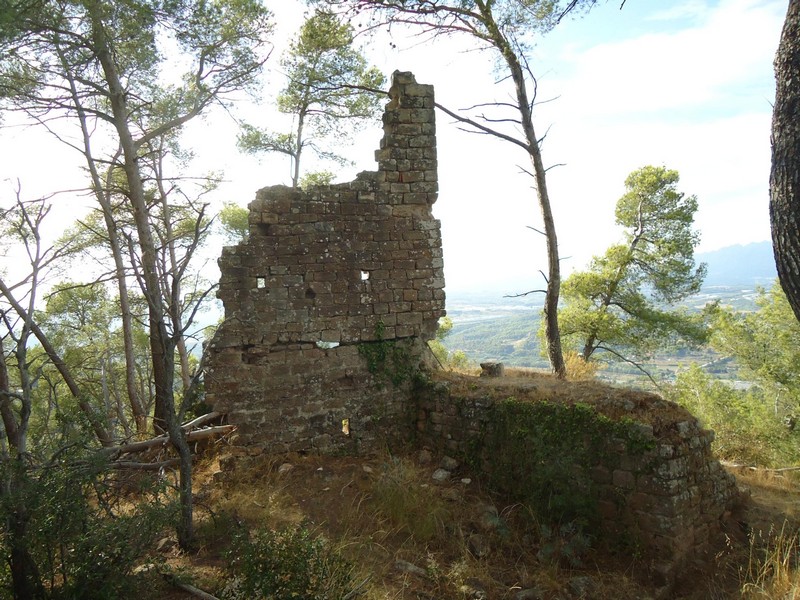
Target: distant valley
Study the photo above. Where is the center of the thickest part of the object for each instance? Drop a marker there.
(489, 325)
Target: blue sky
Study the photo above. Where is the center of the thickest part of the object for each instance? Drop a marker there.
(687, 85)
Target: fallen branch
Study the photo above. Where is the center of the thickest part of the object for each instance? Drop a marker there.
(144, 466)
(731, 465)
(163, 440)
(201, 420)
(172, 580)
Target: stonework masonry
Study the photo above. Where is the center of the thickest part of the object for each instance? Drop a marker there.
(322, 272)
(670, 502)
(329, 272)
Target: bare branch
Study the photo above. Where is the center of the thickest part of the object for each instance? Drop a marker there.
(483, 128)
(525, 294)
(539, 231)
(630, 362)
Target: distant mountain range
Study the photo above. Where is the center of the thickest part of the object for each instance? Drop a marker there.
(743, 267)
(749, 265)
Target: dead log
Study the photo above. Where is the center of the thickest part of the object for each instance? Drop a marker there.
(188, 588)
(163, 440)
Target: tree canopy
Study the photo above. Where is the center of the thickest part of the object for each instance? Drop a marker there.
(620, 304)
(330, 89)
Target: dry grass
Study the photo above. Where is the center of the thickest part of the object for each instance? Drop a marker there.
(772, 570)
(381, 509)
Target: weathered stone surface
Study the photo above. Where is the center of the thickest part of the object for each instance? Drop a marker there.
(671, 498)
(323, 271)
(492, 368)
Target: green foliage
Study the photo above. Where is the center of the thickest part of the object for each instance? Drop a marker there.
(84, 544)
(323, 66)
(235, 223)
(285, 564)
(619, 304)
(329, 83)
(389, 360)
(753, 425)
(542, 454)
(316, 178)
(747, 425)
(765, 344)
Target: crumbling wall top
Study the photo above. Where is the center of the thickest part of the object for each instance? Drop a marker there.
(349, 262)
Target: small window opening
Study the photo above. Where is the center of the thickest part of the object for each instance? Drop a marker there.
(364, 275)
(310, 294)
(261, 282)
(346, 426)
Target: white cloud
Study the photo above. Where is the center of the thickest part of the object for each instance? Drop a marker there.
(683, 69)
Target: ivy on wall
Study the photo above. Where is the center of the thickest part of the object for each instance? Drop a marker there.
(541, 454)
(389, 360)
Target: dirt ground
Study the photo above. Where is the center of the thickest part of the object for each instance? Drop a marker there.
(384, 512)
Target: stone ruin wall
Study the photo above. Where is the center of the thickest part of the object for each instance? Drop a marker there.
(671, 502)
(344, 265)
(339, 265)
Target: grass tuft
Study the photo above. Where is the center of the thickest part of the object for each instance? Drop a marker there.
(773, 570)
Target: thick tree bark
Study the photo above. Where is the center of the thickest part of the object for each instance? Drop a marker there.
(785, 174)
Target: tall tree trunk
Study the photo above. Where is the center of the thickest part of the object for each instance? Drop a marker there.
(298, 150)
(161, 344)
(102, 194)
(785, 174)
(172, 280)
(552, 333)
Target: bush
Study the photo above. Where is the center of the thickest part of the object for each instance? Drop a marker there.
(83, 542)
(745, 422)
(579, 369)
(285, 564)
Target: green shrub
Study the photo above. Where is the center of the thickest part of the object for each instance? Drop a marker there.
(286, 564)
(748, 426)
(83, 542)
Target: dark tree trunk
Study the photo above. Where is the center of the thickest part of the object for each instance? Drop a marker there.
(552, 332)
(25, 579)
(784, 206)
